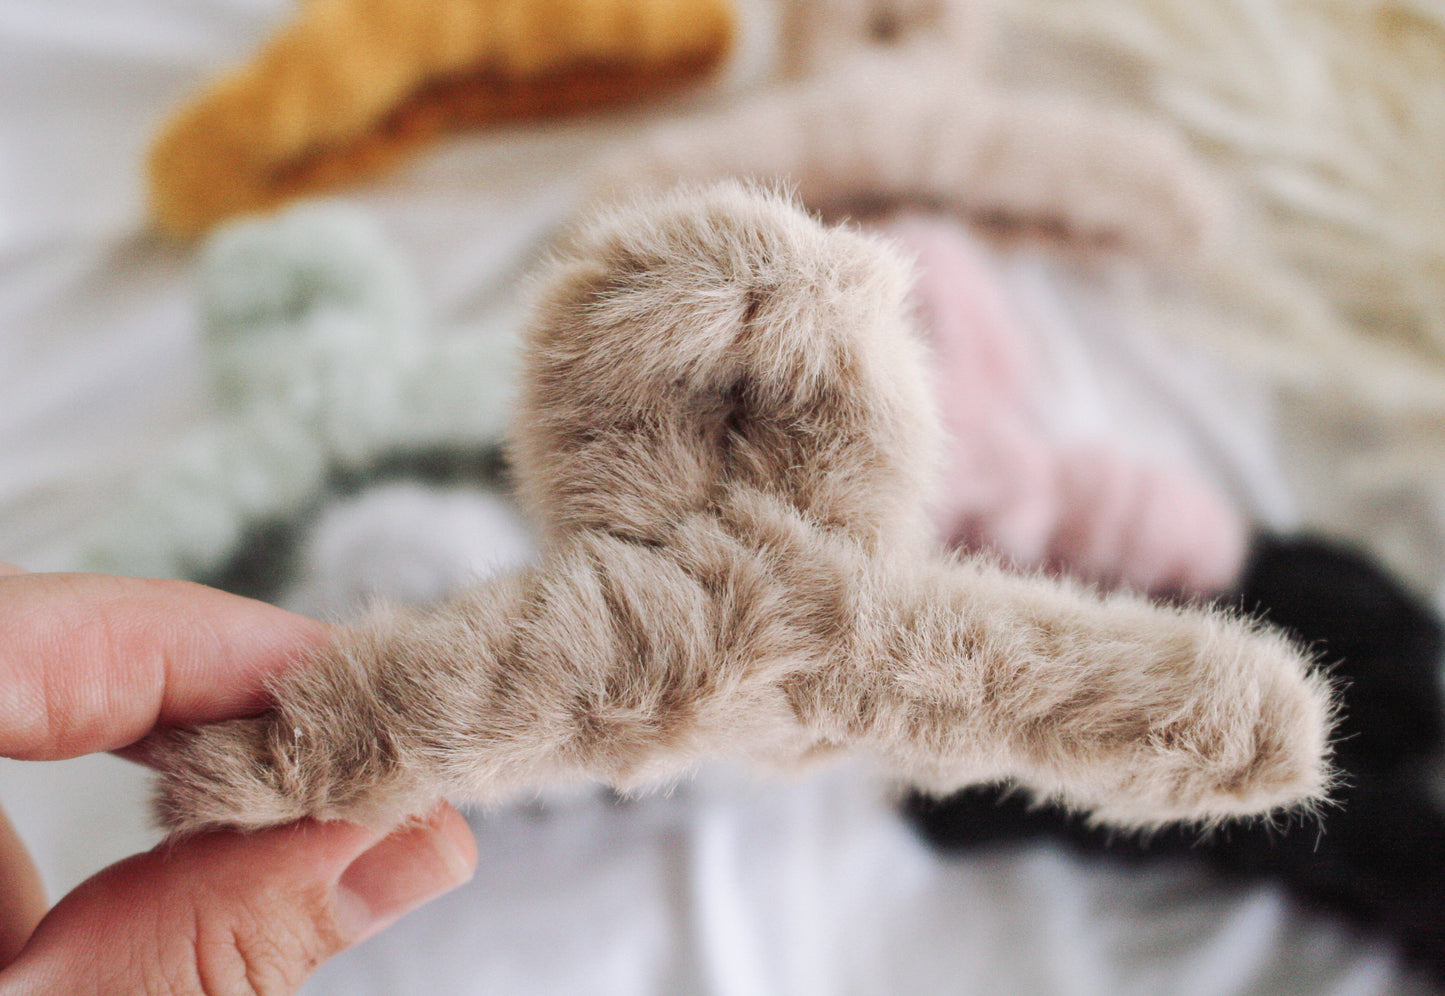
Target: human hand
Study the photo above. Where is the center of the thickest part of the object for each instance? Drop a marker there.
(91, 663)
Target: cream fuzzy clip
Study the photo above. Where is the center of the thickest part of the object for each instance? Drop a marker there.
(891, 102)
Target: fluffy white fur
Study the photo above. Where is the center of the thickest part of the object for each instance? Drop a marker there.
(725, 431)
(1329, 115)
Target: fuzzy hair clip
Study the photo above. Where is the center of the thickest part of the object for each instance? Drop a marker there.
(889, 116)
(726, 434)
(1082, 505)
(890, 102)
(322, 364)
(1380, 859)
(347, 86)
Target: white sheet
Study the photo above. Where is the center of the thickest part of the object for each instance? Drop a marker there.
(726, 886)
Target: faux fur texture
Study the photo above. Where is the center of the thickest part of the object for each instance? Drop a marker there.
(726, 433)
(906, 125)
(320, 363)
(1084, 507)
(1328, 117)
(1376, 857)
(347, 85)
(819, 36)
(1328, 112)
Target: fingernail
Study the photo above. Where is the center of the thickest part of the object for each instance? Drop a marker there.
(407, 869)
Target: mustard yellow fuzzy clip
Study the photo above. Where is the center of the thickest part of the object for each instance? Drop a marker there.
(347, 86)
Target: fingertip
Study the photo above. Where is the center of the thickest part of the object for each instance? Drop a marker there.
(100, 661)
(457, 830)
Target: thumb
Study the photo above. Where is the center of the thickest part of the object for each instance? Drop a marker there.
(240, 914)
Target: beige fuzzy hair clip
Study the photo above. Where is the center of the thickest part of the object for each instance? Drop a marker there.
(726, 434)
(889, 102)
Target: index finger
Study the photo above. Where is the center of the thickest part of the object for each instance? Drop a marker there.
(91, 663)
